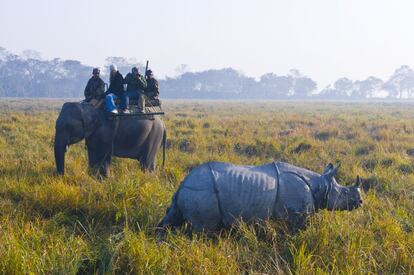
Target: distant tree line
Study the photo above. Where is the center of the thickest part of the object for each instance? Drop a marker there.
(28, 75)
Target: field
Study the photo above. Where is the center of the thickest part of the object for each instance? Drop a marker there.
(79, 224)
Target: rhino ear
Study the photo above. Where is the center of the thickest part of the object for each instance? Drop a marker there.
(332, 173)
(328, 168)
(358, 182)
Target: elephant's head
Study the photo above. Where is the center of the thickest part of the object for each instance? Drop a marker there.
(75, 122)
(338, 197)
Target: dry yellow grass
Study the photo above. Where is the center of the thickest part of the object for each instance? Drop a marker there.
(78, 224)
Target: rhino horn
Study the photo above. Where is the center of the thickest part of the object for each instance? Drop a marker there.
(331, 173)
(358, 182)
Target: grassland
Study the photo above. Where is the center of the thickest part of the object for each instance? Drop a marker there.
(78, 224)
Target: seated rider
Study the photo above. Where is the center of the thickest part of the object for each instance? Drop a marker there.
(115, 90)
(135, 89)
(95, 89)
(152, 91)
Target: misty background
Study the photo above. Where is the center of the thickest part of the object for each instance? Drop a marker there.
(29, 75)
(212, 49)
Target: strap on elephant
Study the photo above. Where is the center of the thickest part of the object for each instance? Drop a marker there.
(217, 196)
(96, 103)
(100, 102)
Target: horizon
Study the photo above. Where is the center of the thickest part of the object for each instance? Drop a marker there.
(37, 56)
(323, 40)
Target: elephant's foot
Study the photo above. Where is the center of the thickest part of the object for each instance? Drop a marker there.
(101, 172)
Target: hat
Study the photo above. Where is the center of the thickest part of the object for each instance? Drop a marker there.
(148, 72)
(113, 68)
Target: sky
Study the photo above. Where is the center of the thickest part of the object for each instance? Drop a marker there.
(323, 39)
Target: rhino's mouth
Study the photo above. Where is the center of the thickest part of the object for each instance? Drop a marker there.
(353, 204)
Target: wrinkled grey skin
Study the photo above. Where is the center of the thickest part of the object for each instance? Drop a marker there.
(214, 195)
(121, 137)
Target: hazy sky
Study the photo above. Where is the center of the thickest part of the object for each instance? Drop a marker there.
(325, 39)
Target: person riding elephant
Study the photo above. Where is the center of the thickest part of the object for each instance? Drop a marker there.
(136, 84)
(138, 139)
(115, 90)
(95, 88)
(152, 91)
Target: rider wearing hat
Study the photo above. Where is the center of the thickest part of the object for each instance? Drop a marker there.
(152, 91)
(95, 88)
(135, 89)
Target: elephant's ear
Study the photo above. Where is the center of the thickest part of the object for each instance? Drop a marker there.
(90, 119)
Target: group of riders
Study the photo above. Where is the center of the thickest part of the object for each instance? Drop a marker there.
(138, 87)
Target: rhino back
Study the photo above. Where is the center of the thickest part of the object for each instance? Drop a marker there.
(246, 192)
(286, 167)
(199, 179)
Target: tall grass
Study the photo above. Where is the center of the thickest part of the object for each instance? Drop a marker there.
(79, 224)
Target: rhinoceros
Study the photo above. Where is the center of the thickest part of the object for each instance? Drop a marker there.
(215, 195)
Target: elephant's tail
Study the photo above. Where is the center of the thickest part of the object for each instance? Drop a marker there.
(164, 145)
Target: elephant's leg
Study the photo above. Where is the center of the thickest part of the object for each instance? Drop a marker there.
(99, 155)
(104, 166)
(147, 160)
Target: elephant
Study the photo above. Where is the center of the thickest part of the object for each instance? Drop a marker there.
(126, 137)
(215, 195)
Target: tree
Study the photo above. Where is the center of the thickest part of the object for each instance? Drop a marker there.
(182, 69)
(31, 54)
(304, 86)
(124, 64)
(366, 88)
(273, 86)
(3, 53)
(401, 83)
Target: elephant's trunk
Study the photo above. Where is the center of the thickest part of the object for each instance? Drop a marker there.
(60, 149)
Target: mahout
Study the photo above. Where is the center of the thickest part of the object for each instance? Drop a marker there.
(105, 136)
(216, 195)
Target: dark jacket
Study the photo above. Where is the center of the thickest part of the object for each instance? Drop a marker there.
(152, 90)
(135, 83)
(94, 89)
(116, 85)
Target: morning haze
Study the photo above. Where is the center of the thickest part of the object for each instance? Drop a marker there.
(325, 40)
